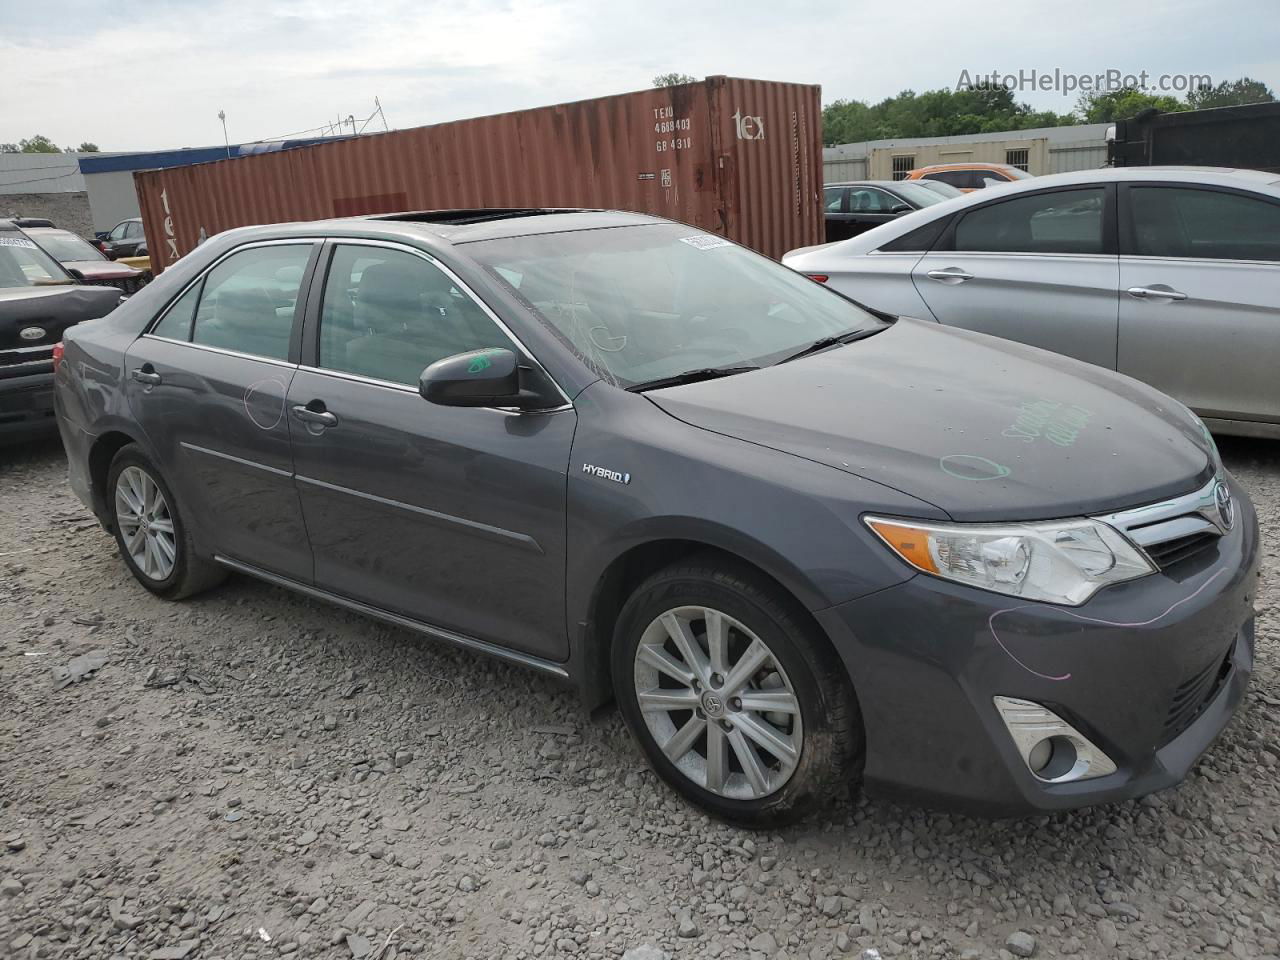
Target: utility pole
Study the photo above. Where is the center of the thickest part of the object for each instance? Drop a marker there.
(222, 115)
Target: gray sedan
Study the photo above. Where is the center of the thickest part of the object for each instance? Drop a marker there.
(1170, 275)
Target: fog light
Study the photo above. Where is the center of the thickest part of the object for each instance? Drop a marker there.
(1053, 750)
(1040, 755)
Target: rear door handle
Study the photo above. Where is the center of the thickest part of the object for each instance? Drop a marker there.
(322, 418)
(149, 377)
(1157, 292)
(950, 275)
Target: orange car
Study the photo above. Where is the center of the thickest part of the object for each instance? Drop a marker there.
(968, 176)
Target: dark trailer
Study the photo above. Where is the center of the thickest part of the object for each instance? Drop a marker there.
(1245, 136)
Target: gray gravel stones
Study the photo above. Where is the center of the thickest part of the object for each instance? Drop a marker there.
(395, 792)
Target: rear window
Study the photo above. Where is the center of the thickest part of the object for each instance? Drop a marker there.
(23, 264)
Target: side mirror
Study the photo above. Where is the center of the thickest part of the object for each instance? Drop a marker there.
(76, 273)
(479, 378)
(900, 208)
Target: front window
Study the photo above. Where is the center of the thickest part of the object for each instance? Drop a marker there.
(23, 264)
(833, 199)
(1064, 221)
(640, 304)
(67, 247)
(389, 315)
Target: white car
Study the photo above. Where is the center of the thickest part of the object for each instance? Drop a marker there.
(1168, 274)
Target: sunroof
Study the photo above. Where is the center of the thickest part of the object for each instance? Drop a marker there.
(462, 217)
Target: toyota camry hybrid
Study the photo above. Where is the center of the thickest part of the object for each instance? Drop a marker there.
(802, 544)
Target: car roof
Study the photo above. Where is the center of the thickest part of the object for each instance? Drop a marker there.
(964, 166)
(457, 226)
(49, 232)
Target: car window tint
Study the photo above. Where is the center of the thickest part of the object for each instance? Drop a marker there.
(1180, 222)
(133, 231)
(957, 178)
(176, 323)
(871, 200)
(117, 232)
(1064, 221)
(918, 240)
(389, 315)
(249, 300)
(831, 198)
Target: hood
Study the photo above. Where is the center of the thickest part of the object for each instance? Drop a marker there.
(49, 310)
(102, 269)
(984, 429)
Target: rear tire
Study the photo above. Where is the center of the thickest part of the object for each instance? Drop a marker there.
(150, 533)
(763, 726)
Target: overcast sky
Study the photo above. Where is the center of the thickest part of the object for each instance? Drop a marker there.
(154, 75)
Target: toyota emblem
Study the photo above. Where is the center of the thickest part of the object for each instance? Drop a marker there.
(1226, 506)
(31, 333)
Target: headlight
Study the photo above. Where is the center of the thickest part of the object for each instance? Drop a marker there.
(1061, 561)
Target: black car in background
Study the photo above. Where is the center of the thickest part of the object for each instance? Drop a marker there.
(39, 300)
(84, 261)
(855, 207)
(125, 239)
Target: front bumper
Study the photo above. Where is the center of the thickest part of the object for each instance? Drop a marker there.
(26, 406)
(1154, 669)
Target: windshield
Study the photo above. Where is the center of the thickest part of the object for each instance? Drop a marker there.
(911, 191)
(648, 302)
(23, 264)
(1016, 173)
(66, 247)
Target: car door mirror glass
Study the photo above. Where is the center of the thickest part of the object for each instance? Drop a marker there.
(478, 378)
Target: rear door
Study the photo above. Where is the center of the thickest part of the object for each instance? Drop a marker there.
(207, 384)
(1039, 268)
(1200, 297)
(451, 516)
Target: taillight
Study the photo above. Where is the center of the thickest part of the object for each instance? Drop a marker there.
(57, 355)
(818, 277)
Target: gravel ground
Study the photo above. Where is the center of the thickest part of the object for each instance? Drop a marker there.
(252, 774)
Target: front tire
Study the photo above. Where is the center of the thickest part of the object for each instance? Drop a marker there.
(153, 540)
(736, 700)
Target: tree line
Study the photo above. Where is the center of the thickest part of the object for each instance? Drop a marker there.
(42, 144)
(992, 109)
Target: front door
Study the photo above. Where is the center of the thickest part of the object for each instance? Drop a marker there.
(1040, 269)
(207, 385)
(451, 516)
(1200, 298)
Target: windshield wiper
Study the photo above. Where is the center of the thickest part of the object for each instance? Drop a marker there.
(690, 376)
(824, 342)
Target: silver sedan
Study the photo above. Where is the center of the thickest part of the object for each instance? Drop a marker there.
(1170, 275)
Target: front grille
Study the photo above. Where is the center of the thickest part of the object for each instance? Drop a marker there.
(123, 284)
(17, 356)
(1190, 699)
(1165, 555)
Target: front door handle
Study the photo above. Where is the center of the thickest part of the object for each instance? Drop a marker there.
(147, 376)
(1158, 291)
(952, 275)
(319, 417)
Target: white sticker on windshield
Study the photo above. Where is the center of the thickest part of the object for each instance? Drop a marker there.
(16, 242)
(704, 241)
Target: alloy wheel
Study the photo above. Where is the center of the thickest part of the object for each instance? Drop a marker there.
(146, 526)
(718, 703)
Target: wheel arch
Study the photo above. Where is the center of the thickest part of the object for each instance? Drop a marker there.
(102, 451)
(629, 567)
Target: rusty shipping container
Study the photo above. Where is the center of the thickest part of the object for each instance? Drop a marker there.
(740, 158)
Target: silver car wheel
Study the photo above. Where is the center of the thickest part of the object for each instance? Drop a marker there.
(146, 526)
(718, 703)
